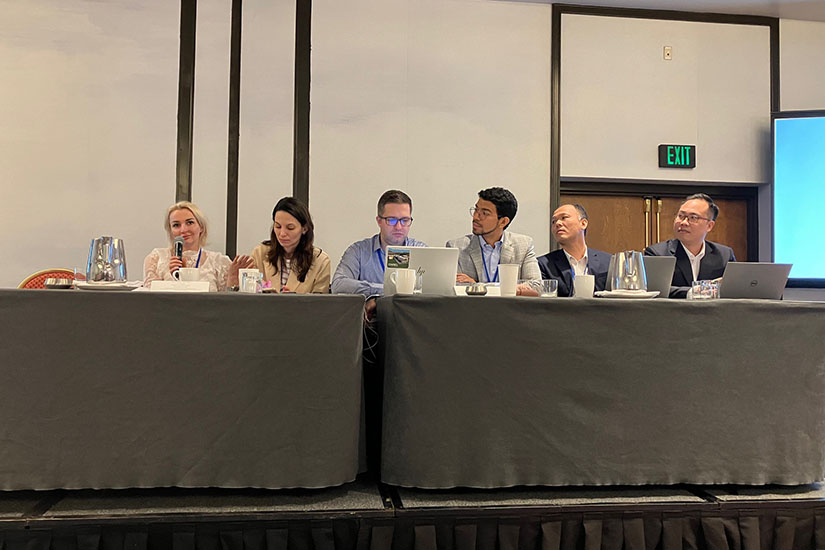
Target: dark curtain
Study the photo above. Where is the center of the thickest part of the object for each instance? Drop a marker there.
(791, 529)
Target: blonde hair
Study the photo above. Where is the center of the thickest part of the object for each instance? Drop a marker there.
(186, 205)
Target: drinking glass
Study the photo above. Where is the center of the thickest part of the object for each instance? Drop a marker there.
(703, 290)
(549, 288)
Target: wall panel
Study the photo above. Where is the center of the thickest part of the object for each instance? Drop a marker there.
(265, 155)
(802, 64)
(437, 98)
(211, 115)
(621, 99)
(87, 129)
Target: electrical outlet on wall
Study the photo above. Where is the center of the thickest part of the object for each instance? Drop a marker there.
(668, 53)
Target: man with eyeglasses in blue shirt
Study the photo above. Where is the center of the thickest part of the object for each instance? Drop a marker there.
(361, 269)
(696, 258)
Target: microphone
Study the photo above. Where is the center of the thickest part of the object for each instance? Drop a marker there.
(177, 243)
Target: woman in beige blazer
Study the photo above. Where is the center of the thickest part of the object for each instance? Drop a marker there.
(288, 260)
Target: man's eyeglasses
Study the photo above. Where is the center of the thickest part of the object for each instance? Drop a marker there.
(691, 218)
(482, 212)
(393, 221)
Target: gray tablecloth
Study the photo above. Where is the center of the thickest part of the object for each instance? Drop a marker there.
(495, 392)
(138, 389)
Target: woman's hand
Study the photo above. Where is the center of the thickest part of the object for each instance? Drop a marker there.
(241, 261)
(175, 263)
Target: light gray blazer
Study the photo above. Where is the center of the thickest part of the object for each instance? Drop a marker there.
(515, 249)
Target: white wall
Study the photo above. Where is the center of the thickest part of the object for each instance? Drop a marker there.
(802, 65)
(620, 99)
(439, 98)
(88, 106)
(267, 89)
(210, 127)
(265, 148)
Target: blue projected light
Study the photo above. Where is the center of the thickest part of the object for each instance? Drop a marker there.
(799, 195)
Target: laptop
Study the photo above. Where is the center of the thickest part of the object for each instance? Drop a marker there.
(754, 280)
(436, 265)
(659, 273)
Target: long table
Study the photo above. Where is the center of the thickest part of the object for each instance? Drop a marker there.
(496, 392)
(140, 389)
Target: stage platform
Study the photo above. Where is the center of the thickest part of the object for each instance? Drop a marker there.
(364, 515)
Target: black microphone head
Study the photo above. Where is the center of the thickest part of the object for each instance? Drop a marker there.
(178, 244)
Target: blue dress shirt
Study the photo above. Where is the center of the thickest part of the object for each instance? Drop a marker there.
(361, 269)
(491, 254)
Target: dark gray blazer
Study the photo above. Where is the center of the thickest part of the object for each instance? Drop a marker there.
(712, 265)
(554, 265)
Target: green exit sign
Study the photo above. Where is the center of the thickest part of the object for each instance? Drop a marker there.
(677, 156)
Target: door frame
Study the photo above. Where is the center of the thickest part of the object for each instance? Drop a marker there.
(676, 189)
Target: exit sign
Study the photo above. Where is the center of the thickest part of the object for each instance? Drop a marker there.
(677, 156)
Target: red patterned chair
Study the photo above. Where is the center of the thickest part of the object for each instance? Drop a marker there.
(36, 280)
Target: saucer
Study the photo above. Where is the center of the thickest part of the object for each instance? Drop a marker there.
(643, 294)
(83, 285)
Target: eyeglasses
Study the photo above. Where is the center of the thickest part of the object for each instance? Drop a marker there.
(393, 221)
(482, 212)
(691, 218)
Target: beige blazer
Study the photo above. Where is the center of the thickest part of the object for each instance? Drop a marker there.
(317, 279)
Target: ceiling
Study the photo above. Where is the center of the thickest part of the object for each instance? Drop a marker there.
(806, 10)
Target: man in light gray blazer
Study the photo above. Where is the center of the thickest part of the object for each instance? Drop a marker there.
(491, 244)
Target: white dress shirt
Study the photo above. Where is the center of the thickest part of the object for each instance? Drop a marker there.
(695, 260)
(579, 267)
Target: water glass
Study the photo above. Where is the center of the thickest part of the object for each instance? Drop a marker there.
(703, 290)
(549, 288)
(251, 281)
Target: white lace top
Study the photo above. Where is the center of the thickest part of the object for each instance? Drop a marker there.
(213, 267)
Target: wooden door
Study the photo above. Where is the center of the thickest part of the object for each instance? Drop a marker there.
(731, 228)
(616, 223)
(635, 222)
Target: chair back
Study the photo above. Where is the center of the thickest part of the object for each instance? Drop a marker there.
(36, 280)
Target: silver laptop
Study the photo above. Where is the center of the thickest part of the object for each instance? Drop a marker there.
(659, 273)
(436, 264)
(754, 280)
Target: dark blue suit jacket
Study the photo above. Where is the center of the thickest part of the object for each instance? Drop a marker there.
(554, 265)
(712, 265)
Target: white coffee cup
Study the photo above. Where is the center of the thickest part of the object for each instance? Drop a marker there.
(404, 280)
(583, 286)
(188, 274)
(249, 280)
(508, 277)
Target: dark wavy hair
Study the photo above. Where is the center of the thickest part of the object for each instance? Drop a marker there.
(505, 201)
(304, 253)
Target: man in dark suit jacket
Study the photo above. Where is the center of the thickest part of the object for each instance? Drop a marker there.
(696, 258)
(569, 225)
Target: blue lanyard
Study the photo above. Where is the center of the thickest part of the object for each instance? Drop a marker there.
(487, 273)
(197, 263)
(381, 259)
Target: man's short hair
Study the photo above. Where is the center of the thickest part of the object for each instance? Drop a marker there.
(393, 196)
(713, 210)
(580, 209)
(505, 201)
(582, 213)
